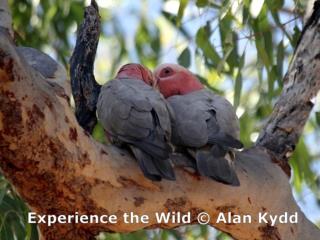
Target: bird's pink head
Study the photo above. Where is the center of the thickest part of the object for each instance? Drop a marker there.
(173, 79)
(136, 71)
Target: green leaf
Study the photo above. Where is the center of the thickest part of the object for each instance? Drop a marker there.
(147, 44)
(225, 7)
(296, 36)
(34, 232)
(263, 40)
(99, 134)
(3, 190)
(174, 234)
(185, 58)
(223, 236)
(202, 3)
(173, 20)
(204, 231)
(272, 76)
(139, 235)
(238, 83)
(222, 63)
(300, 162)
(108, 236)
(182, 7)
(275, 5)
(318, 118)
(18, 229)
(280, 60)
(207, 3)
(28, 231)
(202, 40)
(6, 232)
(261, 48)
(205, 82)
(229, 42)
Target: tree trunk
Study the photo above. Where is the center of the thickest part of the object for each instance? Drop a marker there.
(57, 168)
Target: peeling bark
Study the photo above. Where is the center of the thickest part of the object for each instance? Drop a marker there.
(57, 168)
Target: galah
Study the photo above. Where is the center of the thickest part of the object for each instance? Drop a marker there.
(135, 115)
(205, 124)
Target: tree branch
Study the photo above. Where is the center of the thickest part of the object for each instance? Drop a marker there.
(57, 168)
(301, 84)
(84, 86)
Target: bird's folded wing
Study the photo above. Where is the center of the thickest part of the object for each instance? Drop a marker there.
(130, 110)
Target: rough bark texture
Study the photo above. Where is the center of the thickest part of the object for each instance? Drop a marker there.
(84, 86)
(57, 168)
(301, 85)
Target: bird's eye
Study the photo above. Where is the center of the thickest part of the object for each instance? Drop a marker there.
(166, 72)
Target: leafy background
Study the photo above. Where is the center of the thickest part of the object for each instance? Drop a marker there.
(239, 48)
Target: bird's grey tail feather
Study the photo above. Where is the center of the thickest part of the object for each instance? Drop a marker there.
(216, 167)
(218, 135)
(152, 168)
(183, 160)
(154, 145)
(225, 140)
(159, 150)
(165, 169)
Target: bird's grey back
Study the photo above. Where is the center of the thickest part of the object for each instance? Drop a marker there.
(193, 110)
(125, 106)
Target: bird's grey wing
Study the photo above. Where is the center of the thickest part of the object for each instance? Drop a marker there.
(217, 136)
(197, 126)
(200, 118)
(129, 112)
(213, 164)
(225, 113)
(189, 127)
(117, 113)
(221, 120)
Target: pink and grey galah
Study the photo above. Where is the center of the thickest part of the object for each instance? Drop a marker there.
(135, 115)
(205, 124)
